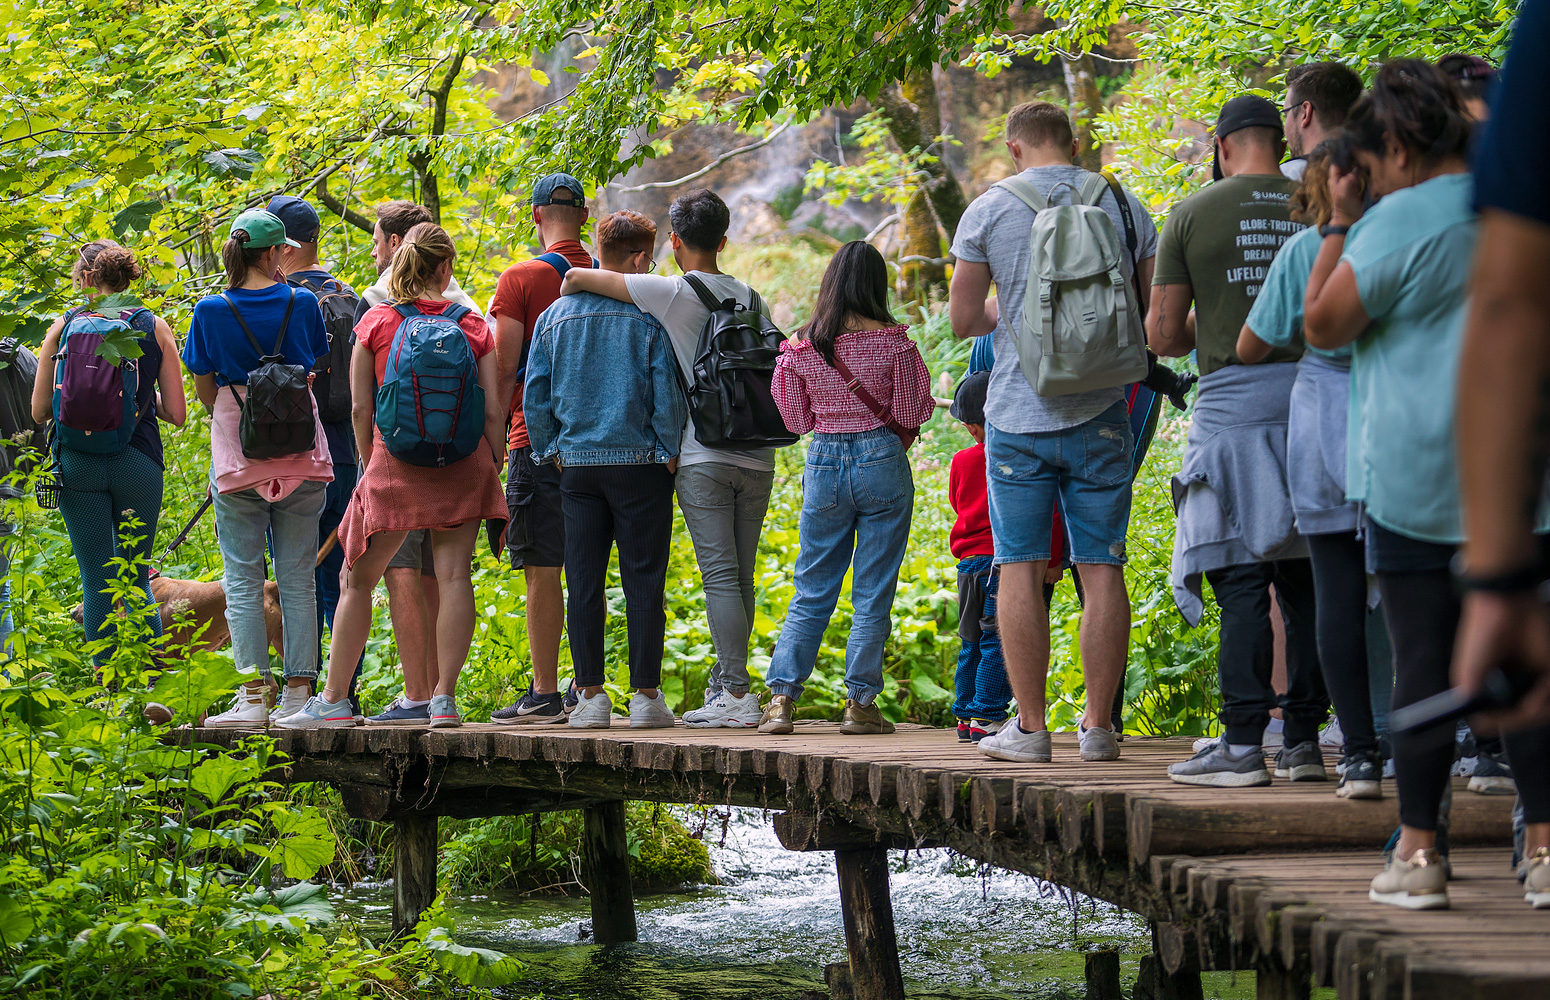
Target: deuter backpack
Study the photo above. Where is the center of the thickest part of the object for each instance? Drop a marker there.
(331, 372)
(94, 400)
(277, 415)
(730, 400)
(1080, 327)
(430, 406)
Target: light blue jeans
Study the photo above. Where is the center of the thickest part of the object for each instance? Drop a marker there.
(242, 518)
(857, 496)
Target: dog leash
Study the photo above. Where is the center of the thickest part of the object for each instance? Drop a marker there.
(188, 528)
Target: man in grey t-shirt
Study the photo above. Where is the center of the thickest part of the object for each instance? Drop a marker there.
(1075, 448)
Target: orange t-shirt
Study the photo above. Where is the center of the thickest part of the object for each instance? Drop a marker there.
(525, 290)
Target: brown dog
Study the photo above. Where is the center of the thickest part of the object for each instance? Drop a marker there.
(203, 602)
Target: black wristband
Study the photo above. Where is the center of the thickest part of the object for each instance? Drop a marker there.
(1523, 580)
(1329, 230)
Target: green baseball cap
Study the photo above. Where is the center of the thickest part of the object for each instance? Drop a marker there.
(263, 229)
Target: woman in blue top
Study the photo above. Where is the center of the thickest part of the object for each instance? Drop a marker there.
(1315, 469)
(281, 498)
(1395, 289)
(99, 491)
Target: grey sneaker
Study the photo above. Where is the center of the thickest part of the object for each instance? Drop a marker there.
(1011, 743)
(1301, 762)
(444, 713)
(1361, 777)
(320, 714)
(1418, 884)
(650, 713)
(1217, 766)
(1535, 870)
(595, 712)
(399, 714)
(1492, 775)
(1098, 743)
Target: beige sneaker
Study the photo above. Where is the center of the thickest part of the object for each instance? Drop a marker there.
(864, 720)
(1420, 883)
(776, 719)
(1535, 870)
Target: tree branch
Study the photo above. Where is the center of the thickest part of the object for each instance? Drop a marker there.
(342, 210)
(712, 165)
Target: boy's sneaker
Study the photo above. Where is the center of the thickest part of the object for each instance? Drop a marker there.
(398, 713)
(1219, 767)
(1011, 743)
(1301, 762)
(1097, 743)
(320, 714)
(776, 720)
(571, 697)
(1535, 872)
(291, 700)
(596, 712)
(533, 710)
(963, 731)
(981, 728)
(1418, 884)
(726, 710)
(1492, 775)
(444, 713)
(1361, 777)
(249, 708)
(651, 713)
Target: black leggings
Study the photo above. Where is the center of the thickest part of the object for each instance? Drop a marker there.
(1422, 611)
(1340, 597)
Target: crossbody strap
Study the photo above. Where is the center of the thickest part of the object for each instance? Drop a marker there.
(868, 400)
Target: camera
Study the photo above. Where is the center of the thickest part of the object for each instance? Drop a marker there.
(1166, 382)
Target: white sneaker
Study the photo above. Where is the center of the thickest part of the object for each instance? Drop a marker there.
(248, 708)
(1011, 743)
(596, 712)
(320, 714)
(726, 710)
(651, 713)
(1332, 735)
(291, 701)
(1271, 738)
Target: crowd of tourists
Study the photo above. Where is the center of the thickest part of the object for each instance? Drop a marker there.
(365, 437)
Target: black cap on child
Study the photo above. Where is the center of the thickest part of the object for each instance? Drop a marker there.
(969, 398)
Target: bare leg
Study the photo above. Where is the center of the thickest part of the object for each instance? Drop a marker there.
(411, 630)
(454, 551)
(1025, 638)
(1105, 638)
(352, 619)
(545, 624)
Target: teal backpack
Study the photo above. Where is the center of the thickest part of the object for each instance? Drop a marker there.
(430, 406)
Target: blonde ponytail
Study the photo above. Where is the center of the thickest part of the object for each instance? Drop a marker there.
(425, 248)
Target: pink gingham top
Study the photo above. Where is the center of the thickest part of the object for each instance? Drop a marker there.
(812, 396)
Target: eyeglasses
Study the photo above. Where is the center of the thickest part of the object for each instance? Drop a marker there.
(1288, 110)
(651, 262)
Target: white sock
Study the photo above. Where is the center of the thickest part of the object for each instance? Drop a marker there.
(1239, 749)
(408, 702)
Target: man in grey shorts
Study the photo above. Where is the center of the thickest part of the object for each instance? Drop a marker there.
(413, 600)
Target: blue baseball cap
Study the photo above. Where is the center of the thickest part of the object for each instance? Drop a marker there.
(301, 219)
(543, 191)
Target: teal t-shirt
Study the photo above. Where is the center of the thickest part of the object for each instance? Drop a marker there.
(1411, 255)
(1276, 317)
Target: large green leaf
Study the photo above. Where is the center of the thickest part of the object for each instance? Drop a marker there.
(220, 774)
(305, 843)
(16, 922)
(477, 967)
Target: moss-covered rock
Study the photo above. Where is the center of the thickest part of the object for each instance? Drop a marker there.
(663, 852)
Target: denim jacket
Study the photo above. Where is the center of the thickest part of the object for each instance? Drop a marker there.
(602, 385)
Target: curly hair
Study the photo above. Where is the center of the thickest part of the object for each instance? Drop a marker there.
(105, 265)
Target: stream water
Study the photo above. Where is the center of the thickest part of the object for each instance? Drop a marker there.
(767, 930)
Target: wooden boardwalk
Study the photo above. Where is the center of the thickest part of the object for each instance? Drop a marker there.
(1271, 880)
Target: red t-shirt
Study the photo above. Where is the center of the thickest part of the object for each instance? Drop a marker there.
(524, 291)
(966, 492)
(381, 322)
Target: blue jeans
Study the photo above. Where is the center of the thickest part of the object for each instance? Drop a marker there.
(983, 689)
(336, 500)
(857, 495)
(243, 519)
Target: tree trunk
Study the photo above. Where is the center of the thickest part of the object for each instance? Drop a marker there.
(915, 122)
(1086, 106)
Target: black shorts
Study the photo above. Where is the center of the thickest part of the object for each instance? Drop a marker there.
(415, 553)
(535, 532)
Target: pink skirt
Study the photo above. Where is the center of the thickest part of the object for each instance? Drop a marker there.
(393, 495)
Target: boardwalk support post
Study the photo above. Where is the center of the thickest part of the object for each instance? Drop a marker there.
(414, 870)
(1103, 975)
(1271, 982)
(605, 858)
(868, 912)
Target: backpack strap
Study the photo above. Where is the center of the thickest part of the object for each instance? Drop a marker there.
(703, 291)
(1024, 191)
(1093, 187)
(1132, 241)
(558, 261)
(285, 322)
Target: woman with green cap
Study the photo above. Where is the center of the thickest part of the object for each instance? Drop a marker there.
(273, 331)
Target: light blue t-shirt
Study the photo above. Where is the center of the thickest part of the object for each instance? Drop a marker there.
(1276, 317)
(1411, 255)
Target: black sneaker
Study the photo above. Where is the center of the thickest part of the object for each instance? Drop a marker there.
(1215, 765)
(572, 697)
(534, 709)
(1301, 762)
(1493, 775)
(1361, 777)
(963, 730)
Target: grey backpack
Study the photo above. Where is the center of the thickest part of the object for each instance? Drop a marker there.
(1080, 327)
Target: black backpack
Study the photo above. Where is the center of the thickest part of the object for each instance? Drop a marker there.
(331, 372)
(730, 399)
(18, 431)
(277, 412)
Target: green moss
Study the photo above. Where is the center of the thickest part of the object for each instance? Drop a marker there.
(663, 852)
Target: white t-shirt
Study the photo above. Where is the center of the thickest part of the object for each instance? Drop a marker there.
(674, 304)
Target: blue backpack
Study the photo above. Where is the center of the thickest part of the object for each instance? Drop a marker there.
(94, 401)
(430, 406)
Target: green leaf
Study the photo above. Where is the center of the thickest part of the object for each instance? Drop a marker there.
(306, 842)
(219, 775)
(196, 686)
(136, 217)
(15, 922)
(238, 162)
(477, 967)
(306, 902)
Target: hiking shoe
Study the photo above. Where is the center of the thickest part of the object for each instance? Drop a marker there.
(776, 720)
(1420, 883)
(963, 731)
(1361, 777)
(291, 700)
(249, 707)
(596, 712)
(981, 728)
(1098, 743)
(398, 713)
(650, 713)
(726, 711)
(1217, 766)
(1012, 743)
(533, 710)
(1492, 775)
(1301, 762)
(1534, 870)
(864, 720)
(444, 713)
(320, 714)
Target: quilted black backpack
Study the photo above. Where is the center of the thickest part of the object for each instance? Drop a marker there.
(730, 400)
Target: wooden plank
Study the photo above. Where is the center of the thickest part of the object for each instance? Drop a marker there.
(992, 806)
(848, 780)
(1102, 969)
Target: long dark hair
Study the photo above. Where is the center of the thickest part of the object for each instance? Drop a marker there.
(855, 283)
(1418, 106)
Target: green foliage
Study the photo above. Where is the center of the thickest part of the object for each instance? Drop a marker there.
(880, 172)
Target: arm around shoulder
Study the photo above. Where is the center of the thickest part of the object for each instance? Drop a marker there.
(595, 279)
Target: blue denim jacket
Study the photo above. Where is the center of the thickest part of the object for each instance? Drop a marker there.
(602, 385)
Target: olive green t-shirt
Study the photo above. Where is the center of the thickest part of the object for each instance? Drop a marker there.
(1220, 241)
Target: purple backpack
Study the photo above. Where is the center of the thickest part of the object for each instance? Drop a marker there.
(94, 401)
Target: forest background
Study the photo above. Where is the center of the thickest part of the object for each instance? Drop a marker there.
(157, 121)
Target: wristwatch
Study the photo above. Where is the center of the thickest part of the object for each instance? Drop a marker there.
(1329, 230)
